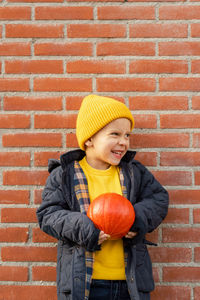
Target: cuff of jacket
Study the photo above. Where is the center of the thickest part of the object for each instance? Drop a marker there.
(92, 244)
(140, 227)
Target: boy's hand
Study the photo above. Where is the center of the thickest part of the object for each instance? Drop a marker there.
(130, 235)
(103, 237)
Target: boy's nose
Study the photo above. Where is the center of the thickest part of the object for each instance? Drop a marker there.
(123, 141)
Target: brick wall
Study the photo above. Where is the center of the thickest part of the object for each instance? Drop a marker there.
(53, 53)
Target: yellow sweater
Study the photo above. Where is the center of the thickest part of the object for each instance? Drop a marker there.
(109, 261)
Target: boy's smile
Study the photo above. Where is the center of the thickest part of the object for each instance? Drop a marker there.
(109, 145)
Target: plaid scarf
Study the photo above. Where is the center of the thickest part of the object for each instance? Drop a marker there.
(82, 194)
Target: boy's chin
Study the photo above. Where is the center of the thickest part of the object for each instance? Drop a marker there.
(115, 162)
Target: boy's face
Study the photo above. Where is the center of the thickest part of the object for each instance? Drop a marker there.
(109, 145)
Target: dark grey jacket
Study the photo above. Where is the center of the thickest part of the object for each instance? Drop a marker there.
(59, 216)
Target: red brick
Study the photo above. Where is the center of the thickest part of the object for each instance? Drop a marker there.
(29, 253)
(13, 235)
(96, 30)
(15, 13)
(196, 102)
(14, 85)
(14, 159)
(196, 215)
(126, 84)
(34, 31)
(173, 178)
(41, 158)
(186, 12)
(156, 274)
(44, 273)
(181, 235)
(126, 48)
(172, 292)
(19, 177)
(126, 13)
(147, 158)
(14, 197)
(158, 30)
(96, 67)
(41, 237)
(38, 196)
(180, 121)
(34, 67)
(158, 103)
(11, 292)
(145, 121)
(18, 215)
(153, 236)
(36, 1)
(32, 140)
(15, 49)
(184, 196)
(33, 103)
(55, 121)
(14, 121)
(179, 48)
(180, 159)
(196, 289)
(95, 0)
(159, 66)
(180, 84)
(170, 255)
(64, 13)
(71, 140)
(197, 254)
(160, 140)
(13, 273)
(181, 274)
(197, 178)
(195, 65)
(63, 84)
(63, 49)
(73, 102)
(196, 140)
(177, 216)
(151, 1)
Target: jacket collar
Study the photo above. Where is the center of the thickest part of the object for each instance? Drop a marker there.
(71, 156)
(128, 156)
(65, 159)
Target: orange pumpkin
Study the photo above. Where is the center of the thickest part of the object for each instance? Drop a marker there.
(112, 213)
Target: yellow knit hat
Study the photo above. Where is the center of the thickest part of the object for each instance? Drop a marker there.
(95, 113)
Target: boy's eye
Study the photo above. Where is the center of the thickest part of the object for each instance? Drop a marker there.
(114, 133)
(128, 135)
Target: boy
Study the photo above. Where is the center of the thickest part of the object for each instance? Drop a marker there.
(90, 265)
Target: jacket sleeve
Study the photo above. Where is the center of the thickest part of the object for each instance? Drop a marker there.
(57, 220)
(152, 202)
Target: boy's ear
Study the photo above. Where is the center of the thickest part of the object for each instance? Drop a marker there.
(88, 143)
